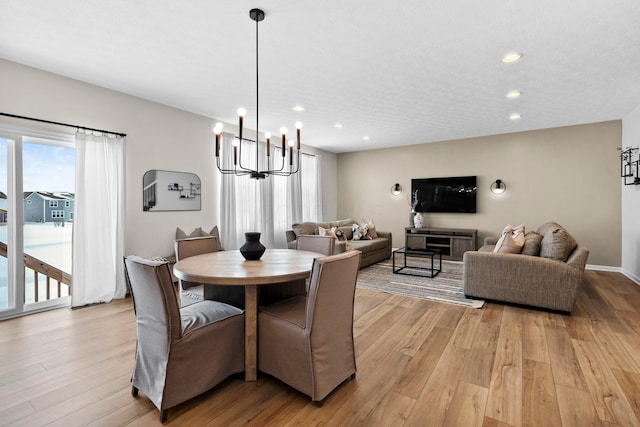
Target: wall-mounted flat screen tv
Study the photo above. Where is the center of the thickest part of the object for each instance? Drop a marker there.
(450, 194)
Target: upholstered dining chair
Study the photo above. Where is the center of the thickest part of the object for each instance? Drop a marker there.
(307, 343)
(193, 292)
(180, 352)
(321, 244)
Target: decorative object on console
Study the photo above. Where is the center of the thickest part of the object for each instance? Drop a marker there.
(396, 189)
(417, 220)
(238, 168)
(252, 249)
(498, 187)
(413, 202)
(629, 167)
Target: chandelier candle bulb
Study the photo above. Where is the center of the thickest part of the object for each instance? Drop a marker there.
(298, 127)
(283, 131)
(268, 137)
(290, 152)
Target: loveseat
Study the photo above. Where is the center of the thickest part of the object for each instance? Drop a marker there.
(373, 250)
(546, 273)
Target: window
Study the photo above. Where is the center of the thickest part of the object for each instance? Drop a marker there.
(67, 203)
(57, 214)
(53, 203)
(28, 202)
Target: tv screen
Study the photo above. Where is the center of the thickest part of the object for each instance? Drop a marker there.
(451, 194)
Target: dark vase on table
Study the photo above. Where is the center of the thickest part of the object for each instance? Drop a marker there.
(252, 249)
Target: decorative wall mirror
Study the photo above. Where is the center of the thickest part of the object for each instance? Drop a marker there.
(170, 191)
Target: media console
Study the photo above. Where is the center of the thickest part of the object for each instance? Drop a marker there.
(452, 243)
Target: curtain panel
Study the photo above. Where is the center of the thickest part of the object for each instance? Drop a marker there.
(98, 238)
(269, 205)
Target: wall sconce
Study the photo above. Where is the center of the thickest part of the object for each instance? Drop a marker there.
(629, 167)
(396, 189)
(498, 187)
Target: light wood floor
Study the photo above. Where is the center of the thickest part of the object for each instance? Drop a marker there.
(419, 364)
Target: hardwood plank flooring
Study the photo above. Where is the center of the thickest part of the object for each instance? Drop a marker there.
(420, 363)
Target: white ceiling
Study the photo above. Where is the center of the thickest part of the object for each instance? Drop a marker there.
(400, 72)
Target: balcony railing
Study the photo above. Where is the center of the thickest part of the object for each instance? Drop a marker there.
(49, 272)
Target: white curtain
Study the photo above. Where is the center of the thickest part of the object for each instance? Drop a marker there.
(98, 235)
(269, 205)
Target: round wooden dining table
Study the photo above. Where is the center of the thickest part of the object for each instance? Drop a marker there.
(230, 268)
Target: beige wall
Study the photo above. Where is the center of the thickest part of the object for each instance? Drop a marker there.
(569, 175)
(159, 137)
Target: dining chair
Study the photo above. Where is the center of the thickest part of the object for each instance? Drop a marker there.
(307, 342)
(180, 352)
(321, 244)
(191, 292)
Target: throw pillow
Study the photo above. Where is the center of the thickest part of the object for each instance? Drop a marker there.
(512, 239)
(532, 243)
(326, 232)
(510, 244)
(363, 232)
(355, 230)
(216, 233)
(372, 228)
(199, 232)
(557, 244)
(347, 232)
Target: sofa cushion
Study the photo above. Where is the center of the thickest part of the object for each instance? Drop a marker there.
(344, 222)
(532, 243)
(547, 226)
(557, 244)
(366, 246)
(305, 228)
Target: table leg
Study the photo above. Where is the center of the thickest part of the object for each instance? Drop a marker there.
(250, 333)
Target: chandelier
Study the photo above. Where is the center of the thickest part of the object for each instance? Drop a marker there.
(270, 168)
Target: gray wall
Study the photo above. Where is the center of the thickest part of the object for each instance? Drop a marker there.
(569, 175)
(159, 137)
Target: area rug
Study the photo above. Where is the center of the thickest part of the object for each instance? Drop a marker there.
(446, 287)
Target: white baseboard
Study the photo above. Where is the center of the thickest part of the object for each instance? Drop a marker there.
(603, 268)
(632, 277)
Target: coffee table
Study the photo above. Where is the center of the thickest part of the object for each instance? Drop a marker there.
(417, 270)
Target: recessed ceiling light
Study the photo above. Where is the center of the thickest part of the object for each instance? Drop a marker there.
(515, 116)
(298, 108)
(513, 94)
(338, 125)
(366, 138)
(511, 57)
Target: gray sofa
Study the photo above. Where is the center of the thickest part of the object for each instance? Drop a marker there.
(374, 250)
(548, 277)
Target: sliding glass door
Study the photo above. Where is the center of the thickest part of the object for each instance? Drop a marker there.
(37, 179)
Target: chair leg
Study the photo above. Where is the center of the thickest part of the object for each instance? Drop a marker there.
(163, 416)
(353, 376)
(134, 391)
